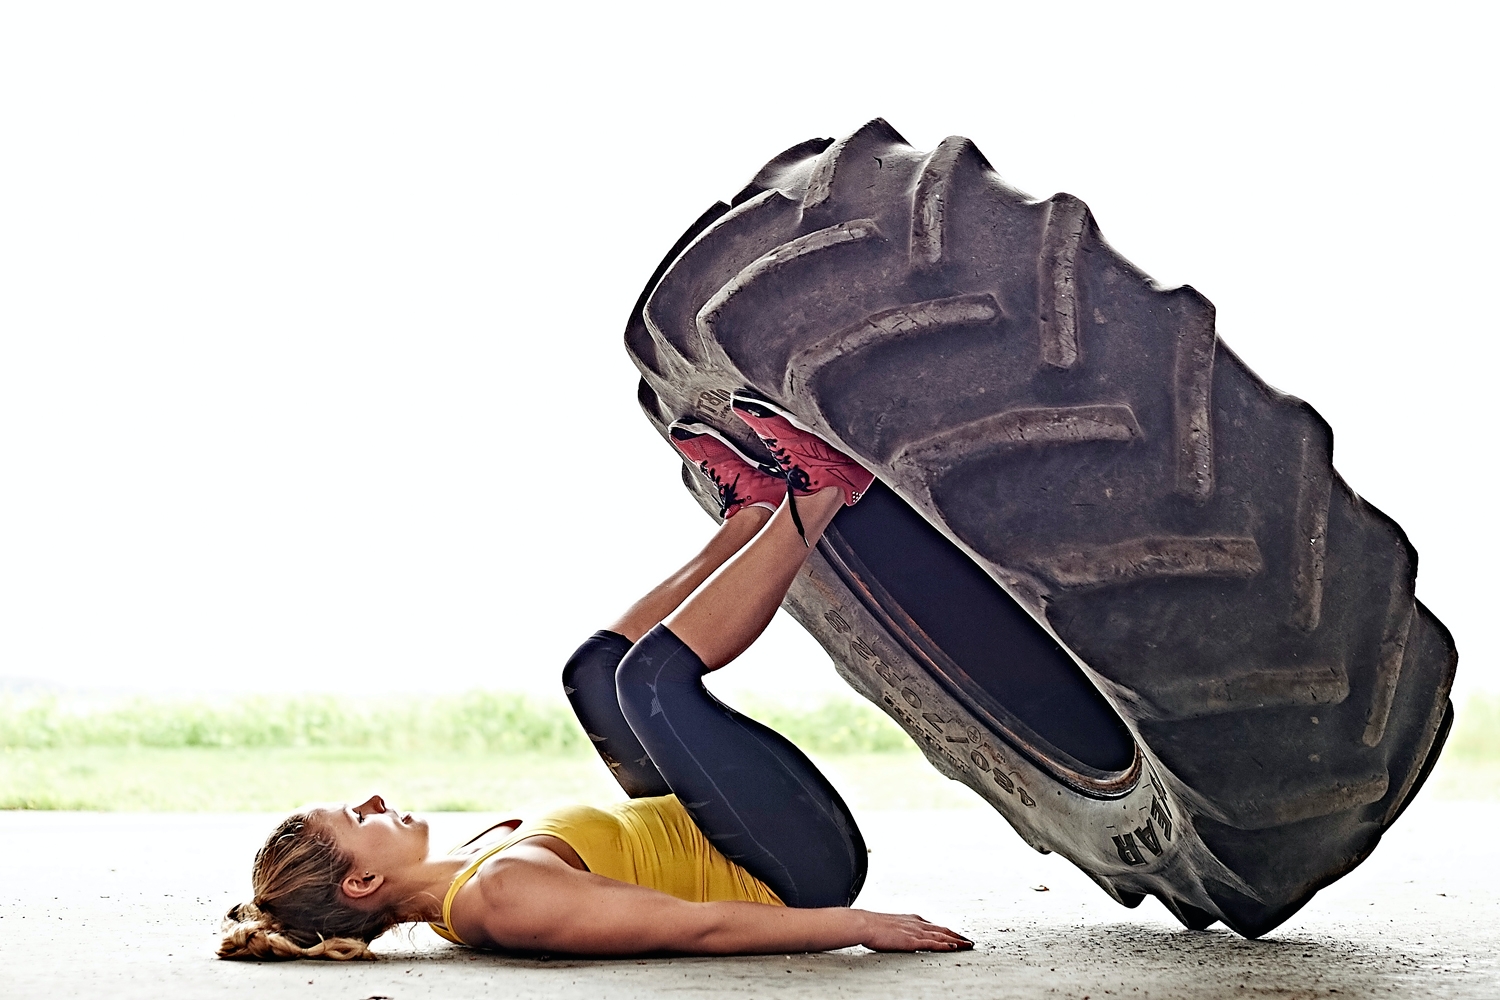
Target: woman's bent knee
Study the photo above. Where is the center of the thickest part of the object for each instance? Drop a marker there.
(600, 653)
(659, 658)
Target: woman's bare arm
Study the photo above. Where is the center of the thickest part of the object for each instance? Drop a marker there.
(529, 899)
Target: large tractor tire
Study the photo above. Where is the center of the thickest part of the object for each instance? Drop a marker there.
(1108, 578)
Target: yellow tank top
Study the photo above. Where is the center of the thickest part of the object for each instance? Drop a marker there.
(649, 841)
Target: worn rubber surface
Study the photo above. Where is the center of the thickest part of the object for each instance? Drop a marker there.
(1111, 579)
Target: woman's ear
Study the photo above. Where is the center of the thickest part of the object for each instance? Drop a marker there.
(360, 886)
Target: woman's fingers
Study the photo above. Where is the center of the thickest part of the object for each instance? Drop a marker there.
(909, 932)
(946, 935)
(946, 942)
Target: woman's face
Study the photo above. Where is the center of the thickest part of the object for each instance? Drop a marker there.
(379, 839)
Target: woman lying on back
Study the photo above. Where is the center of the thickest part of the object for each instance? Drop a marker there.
(731, 842)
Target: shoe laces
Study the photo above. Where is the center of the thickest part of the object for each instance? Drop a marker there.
(796, 479)
(796, 476)
(728, 491)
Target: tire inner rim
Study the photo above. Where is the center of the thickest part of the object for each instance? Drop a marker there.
(981, 645)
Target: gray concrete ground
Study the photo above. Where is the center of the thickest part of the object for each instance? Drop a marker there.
(126, 905)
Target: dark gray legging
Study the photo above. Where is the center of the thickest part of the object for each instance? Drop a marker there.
(755, 796)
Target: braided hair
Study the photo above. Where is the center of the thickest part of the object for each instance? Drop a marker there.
(298, 910)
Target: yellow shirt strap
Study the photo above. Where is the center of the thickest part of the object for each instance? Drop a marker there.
(445, 928)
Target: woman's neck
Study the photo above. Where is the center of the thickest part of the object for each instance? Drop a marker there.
(424, 885)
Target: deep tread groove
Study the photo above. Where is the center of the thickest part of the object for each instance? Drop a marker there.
(775, 172)
(1419, 775)
(820, 186)
(1057, 283)
(1192, 391)
(687, 347)
(651, 403)
(1434, 730)
(1154, 558)
(930, 201)
(639, 334)
(931, 316)
(1310, 543)
(1036, 426)
(1393, 639)
(1190, 916)
(798, 249)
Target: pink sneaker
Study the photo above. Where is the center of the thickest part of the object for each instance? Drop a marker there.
(810, 463)
(740, 480)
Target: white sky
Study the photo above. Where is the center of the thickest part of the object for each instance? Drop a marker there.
(310, 314)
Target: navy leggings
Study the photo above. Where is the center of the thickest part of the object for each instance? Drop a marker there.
(755, 796)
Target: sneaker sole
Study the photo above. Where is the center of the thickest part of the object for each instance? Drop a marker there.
(741, 396)
(696, 429)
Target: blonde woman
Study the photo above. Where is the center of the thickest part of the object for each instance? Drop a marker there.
(731, 841)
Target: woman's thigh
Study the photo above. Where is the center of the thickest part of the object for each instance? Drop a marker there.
(755, 796)
(589, 682)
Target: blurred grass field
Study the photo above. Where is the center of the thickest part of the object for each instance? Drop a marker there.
(480, 752)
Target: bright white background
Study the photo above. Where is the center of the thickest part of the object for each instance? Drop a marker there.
(310, 314)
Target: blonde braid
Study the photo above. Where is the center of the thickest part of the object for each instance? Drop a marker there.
(250, 933)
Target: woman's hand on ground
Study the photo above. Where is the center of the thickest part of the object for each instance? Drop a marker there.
(909, 932)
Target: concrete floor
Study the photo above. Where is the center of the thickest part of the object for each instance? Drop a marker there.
(126, 905)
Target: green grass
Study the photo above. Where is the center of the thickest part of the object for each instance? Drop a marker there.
(195, 779)
(481, 752)
(480, 721)
(1476, 730)
(235, 779)
(1470, 765)
(477, 721)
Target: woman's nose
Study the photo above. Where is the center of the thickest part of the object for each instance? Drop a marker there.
(374, 804)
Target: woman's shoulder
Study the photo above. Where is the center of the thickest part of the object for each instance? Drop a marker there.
(497, 881)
